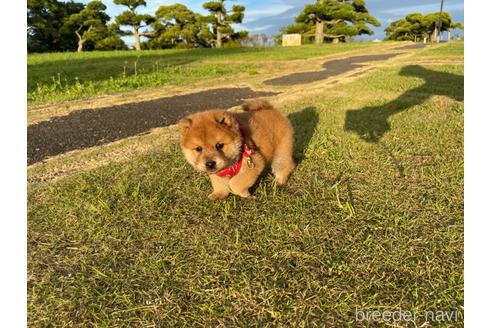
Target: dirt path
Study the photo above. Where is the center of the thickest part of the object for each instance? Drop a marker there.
(86, 128)
(331, 68)
(412, 46)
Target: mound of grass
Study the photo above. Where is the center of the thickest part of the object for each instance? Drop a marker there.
(371, 219)
(177, 75)
(68, 76)
(453, 49)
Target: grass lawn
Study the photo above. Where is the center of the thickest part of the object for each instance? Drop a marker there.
(68, 76)
(452, 50)
(371, 219)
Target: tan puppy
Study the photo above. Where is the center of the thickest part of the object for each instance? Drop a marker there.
(234, 148)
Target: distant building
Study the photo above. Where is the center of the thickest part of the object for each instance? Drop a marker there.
(289, 40)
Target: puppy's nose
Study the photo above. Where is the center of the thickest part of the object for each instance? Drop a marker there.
(210, 164)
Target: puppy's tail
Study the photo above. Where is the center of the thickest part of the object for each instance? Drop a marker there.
(256, 105)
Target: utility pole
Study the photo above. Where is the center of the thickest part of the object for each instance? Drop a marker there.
(439, 24)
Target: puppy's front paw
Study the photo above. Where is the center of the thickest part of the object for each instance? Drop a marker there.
(217, 196)
(240, 191)
(281, 180)
(244, 194)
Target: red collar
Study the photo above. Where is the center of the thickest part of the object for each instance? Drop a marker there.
(248, 150)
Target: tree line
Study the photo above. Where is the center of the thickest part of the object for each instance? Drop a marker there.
(67, 26)
(417, 27)
(340, 20)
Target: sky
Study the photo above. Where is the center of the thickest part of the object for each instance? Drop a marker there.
(268, 16)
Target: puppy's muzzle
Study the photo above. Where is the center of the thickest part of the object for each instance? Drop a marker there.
(211, 165)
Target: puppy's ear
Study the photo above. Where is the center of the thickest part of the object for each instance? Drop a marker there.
(225, 119)
(184, 125)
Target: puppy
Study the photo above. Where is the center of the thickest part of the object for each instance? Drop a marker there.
(234, 148)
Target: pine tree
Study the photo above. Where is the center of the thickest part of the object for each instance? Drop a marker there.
(221, 19)
(89, 23)
(334, 19)
(136, 21)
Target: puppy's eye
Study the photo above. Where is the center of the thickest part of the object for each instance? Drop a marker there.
(198, 149)
(219, 146)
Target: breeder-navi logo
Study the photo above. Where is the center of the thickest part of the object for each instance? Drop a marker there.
(437, 316)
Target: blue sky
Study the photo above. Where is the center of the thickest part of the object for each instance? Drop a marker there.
(268, 16)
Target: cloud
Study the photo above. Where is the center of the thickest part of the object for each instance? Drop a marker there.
(296, 3)
(260, 29)
(272, 24)
(427, 8)
(262, 12)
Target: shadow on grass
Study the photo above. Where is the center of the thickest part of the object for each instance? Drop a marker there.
(331, 68)
(304, 123)
(87, 128)
(371, 122)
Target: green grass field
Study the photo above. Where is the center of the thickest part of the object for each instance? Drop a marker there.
(69, 76)
(371, 219)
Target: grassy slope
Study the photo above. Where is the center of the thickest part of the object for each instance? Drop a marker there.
(367, 225)
(453, 50)
(67, 76)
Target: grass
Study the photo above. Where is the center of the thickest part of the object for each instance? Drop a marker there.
(372, 219)
(69, 76)
(454, 49)
(176, 75)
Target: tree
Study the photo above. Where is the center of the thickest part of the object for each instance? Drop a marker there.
(89, 23)
(431, 22)
(111, 40)
(237, 39)
(175, 24)
(399, 30)
(45, 25)
(221, 19)
(411, 28)
(334, 19)
(205, 37)
(453, 26)
(416, 27)
(136, 21)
